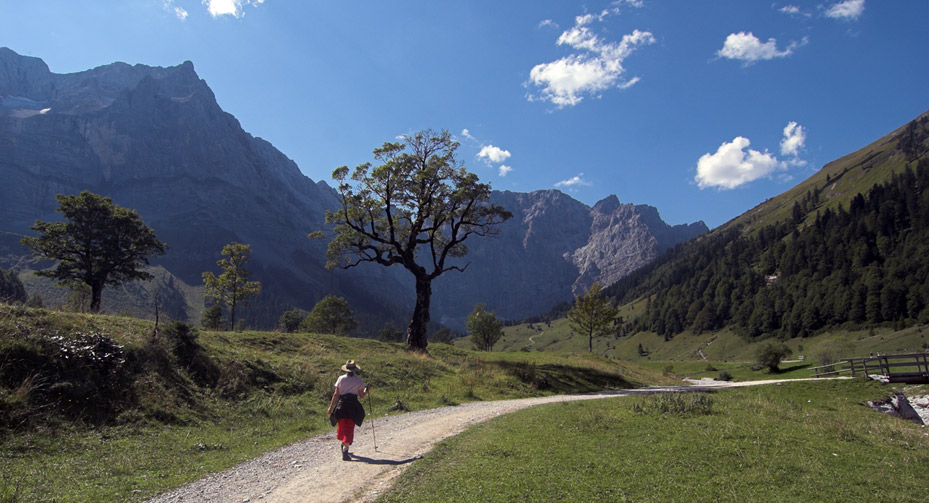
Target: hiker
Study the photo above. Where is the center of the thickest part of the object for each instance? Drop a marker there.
(346, 410)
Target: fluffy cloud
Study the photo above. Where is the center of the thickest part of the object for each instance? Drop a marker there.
(734, 164)
(794, 139)
(467, 134)
(229, 7)
(596, 64)
(849, 10)
(504, 170)
(748, 48)
(493, 154)
(573, 182)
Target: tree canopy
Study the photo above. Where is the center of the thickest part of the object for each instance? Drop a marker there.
(331, 315)
(592, 315)
(484, 328)
(232, 287)
(99, 244)
(414, 209)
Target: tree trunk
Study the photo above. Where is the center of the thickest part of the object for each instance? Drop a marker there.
(96, 293)
(416, 334)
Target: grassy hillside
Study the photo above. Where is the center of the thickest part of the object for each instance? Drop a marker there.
(840, 180)
(102, 408)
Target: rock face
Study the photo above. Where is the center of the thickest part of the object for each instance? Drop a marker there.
(552, 249)
(155, 140)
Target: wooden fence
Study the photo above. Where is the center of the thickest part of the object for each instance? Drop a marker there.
(910, 368)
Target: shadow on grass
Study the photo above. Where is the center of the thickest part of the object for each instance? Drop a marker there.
(564, 378)
(792, 368)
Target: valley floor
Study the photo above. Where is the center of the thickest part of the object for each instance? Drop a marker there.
(313, 470)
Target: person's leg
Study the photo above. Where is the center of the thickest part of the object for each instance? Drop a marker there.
(346, 433)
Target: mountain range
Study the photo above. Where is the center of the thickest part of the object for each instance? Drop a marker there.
(155, 140)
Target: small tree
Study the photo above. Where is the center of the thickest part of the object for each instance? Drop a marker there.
(290, 321)
(592, 315)
(212, 317)
(232, 287)
(416, 210)
(770, 354)
(99, 244)
(330, 316)
(484, 328)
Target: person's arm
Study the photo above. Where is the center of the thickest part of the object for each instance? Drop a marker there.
(364, 391)
(335, 398)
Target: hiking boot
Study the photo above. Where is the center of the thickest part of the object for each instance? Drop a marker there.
(346, 456)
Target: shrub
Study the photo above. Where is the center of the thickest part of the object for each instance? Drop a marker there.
(290, 321)
(724, 375)
(770, 354)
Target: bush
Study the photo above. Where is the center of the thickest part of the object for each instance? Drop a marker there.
(290, 321)
(770, 354)
(724, 376)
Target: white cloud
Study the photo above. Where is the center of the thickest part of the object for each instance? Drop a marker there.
(504, 170)
(596, 64)
(748, 48)
(794, 139)
(467, 134)
(790, 9)
(547, 22)
(180, 12)
(574, 181)
(493, 154)
(732, 166)
(234, 8)
(849, 10)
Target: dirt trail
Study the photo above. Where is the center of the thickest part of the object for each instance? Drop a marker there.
(313, 471)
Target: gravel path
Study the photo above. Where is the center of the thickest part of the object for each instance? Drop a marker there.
(313, 470)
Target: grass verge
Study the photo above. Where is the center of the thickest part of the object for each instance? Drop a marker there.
(810, 441)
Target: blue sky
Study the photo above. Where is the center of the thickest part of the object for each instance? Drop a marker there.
(700, 108)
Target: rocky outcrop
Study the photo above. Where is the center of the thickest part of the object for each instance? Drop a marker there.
(155, 140)
(552, 249)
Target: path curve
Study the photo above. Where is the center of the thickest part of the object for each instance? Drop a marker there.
(313, 471)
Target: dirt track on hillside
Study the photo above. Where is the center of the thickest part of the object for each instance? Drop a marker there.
(313, 470)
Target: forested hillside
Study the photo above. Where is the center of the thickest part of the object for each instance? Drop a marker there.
(855, 264)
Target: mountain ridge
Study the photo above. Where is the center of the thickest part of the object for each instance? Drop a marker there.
(155, 140)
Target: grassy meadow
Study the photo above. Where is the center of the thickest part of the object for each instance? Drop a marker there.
(175, 411)
(803, 441)
(723, 348)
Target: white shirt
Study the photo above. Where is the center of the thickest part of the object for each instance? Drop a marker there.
(346, 384)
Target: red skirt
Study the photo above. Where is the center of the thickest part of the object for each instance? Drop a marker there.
(345, 431)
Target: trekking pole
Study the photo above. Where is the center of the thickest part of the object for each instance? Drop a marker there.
(371, 408)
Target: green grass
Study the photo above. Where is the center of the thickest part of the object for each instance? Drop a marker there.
(272, 390)
(792, 442)
(722, 346)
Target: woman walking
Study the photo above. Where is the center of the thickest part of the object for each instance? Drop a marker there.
(346, 410)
